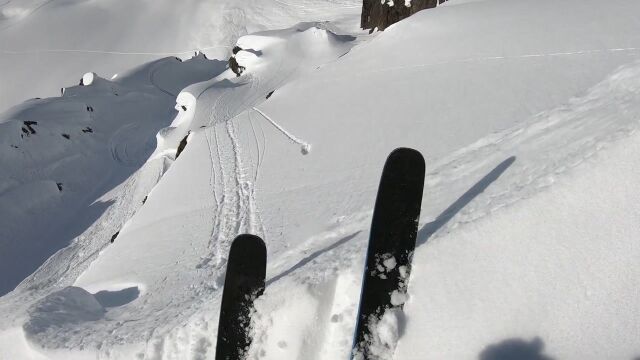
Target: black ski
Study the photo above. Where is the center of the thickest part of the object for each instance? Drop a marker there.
(391, 244)
(244, 282)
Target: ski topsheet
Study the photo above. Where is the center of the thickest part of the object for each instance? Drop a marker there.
(391, 244)
(244, 282)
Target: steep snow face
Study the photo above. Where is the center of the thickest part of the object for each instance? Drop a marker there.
(48, 44)
(523, 112)
(65, 153)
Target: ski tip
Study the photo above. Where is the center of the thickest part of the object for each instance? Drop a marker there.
(248, 255)
(407, 153)
(407, 161)
(249, 241)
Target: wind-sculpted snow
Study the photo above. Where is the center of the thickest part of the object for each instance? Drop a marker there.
(109, 36)
(65, 153)
(527, 114)
(70, 305)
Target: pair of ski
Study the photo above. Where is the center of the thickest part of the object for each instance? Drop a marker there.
(386, 275)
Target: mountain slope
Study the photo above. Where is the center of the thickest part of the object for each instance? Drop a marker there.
(527, 115)
(49, 44)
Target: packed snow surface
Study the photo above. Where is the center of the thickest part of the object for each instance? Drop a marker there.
(120, 198)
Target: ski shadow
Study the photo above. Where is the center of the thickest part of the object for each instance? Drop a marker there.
(515, 349)
(312, 257)
(431, 228)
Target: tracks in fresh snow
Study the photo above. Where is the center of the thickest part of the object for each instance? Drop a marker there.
(233, 192)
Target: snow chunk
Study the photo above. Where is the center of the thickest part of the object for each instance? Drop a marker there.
(390, 263)
(404, 271)
(385, 333)
(398, 298)
(388, 333)
(88, 78)
(305, 149)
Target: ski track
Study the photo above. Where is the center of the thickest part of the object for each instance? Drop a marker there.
(494, 58)
(152, 74)
(575, 133)
(290, 136)
(235, 206)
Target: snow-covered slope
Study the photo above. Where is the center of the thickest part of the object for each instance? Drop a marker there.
(526, 112)
(48, 44)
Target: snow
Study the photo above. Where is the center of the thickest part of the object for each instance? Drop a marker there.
(87, 79)
(57, 41)
(527, 114)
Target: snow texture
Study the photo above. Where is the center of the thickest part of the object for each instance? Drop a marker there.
(112, 247)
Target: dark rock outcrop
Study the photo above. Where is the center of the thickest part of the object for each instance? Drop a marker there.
(29, 127)
(381, 14)
(182, 145)
(233, 63)
(235, 67)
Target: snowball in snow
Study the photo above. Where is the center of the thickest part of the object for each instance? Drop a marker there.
(88, 78)
(398, 298)
(305, 149)
(390, 263)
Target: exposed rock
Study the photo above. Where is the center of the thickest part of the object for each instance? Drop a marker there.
(29, 125)
(87, 130)
(270, 93)
(235, 67)
(66, 136)
(381, 14)
(183, 144)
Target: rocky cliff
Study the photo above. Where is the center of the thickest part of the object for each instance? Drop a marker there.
(382, 13)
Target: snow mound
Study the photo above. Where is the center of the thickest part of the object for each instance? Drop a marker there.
(87, 79)
(69, 306)
(270, 59)
(316, 42)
